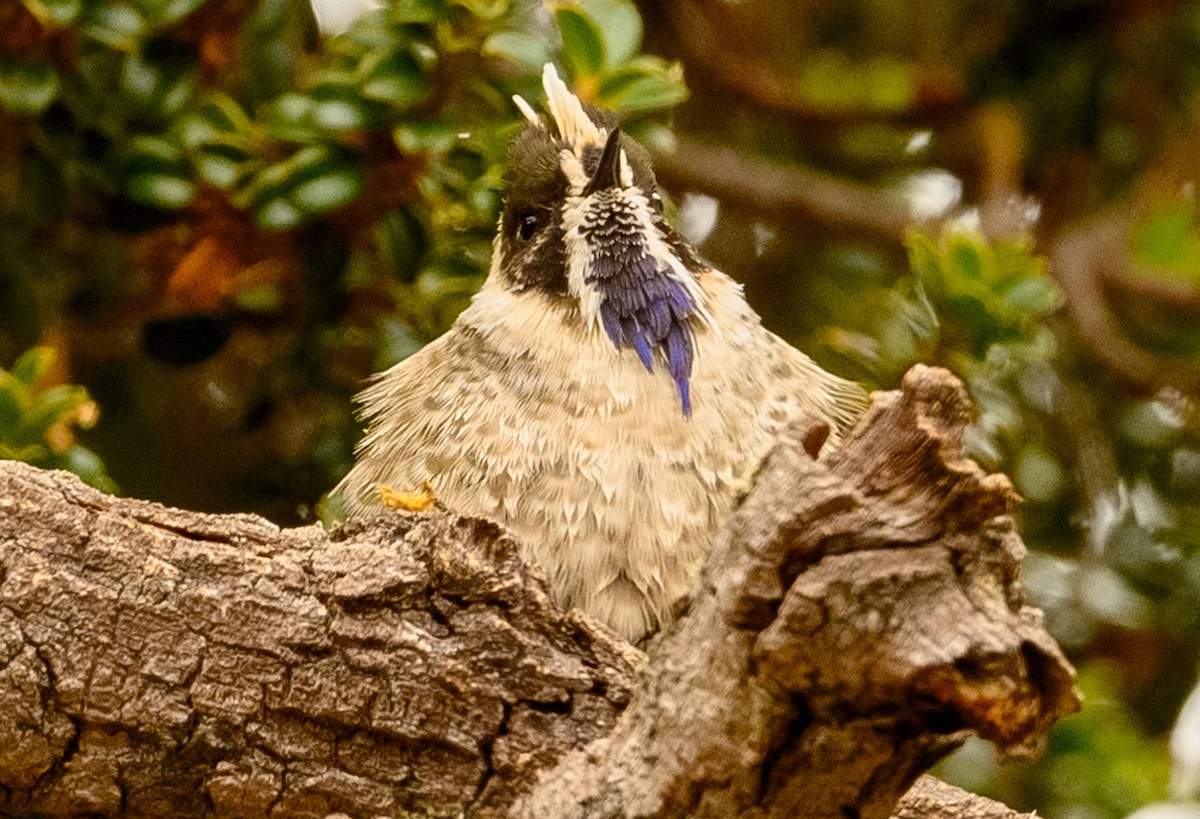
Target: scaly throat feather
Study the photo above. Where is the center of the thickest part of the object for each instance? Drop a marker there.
(642, 307)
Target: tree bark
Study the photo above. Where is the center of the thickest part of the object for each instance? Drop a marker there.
(859, 617)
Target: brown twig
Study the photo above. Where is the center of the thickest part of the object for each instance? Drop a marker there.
(1086, 258)
(732, 176)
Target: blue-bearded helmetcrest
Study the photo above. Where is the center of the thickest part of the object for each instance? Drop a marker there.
(606, 389)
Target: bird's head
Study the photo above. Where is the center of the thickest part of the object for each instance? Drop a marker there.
(583, 222)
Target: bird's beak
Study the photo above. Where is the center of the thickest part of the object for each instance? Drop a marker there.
(608, 172)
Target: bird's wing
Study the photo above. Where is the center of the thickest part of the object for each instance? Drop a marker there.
(805, 388)
(416, 414)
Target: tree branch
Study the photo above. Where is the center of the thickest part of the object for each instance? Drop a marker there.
(1092, 256)
(773, 187)
(859, 617)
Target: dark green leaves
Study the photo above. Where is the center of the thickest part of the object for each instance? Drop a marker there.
(157, 174)
(313, 181)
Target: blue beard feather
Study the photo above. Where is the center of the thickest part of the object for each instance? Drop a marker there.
(644, 309)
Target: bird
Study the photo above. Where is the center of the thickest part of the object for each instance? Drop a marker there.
(606, 392)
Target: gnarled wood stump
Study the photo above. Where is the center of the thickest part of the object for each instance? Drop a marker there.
(859, 617)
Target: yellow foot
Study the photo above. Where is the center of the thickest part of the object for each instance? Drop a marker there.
(417, 501)
(743, 483)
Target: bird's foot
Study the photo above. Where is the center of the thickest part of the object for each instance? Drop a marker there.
(743, 483)
(418, 501)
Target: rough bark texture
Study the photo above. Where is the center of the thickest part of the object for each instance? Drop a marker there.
(858, 619)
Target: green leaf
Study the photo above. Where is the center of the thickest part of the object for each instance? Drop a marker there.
(27, 88)
(398, 80)
(620, 26)
(262, 299)
(340, 114)
(328, 191)
(156, 150)
(218, 171)
(117, 26)
(51, 405)
(161, 190)
(889, 85)
(55, 12)
(519, 47)
(10, 408)
(290, 117)
(30, 454)
(422, 137)
(141, 81)
(1037, 474)
(486, 9)
(1032, 297)
(415, 11)
(32, 365)
(647, 94)
(88, 466)
(1168, 240)
(278, 214)
(964, 258)
(166, 12)
(583, 42)
(224, 113)
(401, 240)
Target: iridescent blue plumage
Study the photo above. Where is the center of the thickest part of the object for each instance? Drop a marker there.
(643, 308)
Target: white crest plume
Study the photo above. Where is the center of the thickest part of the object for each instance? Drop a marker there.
(574, 126)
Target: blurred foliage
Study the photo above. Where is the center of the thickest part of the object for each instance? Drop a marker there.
(221, 222)
(240, 221)
(38, 420)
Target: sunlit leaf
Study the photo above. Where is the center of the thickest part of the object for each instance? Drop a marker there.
(165, 12)
(88, 466)
(328, 190)
(964, 257)
(620, 26)
(115, 25)
(279, 214)
(399, 80)
(1168, 242)
(416, 11)
(1032, 297)
(343, 114)
(647, 93)
(486, 9)
(27, 88)
(55, 12)
(888, 84)
(520, 47)
(216, 170)
(161, 190)
(51, 405)
(419, 137)
(583, 42)
(32, 365)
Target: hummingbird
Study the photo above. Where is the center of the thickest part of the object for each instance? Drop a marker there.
(606, 392)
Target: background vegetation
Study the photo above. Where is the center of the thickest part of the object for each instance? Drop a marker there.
(219, 222)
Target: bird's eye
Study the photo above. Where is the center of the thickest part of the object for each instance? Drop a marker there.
(527, 225)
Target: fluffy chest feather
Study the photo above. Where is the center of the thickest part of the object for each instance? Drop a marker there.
(523, 414)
